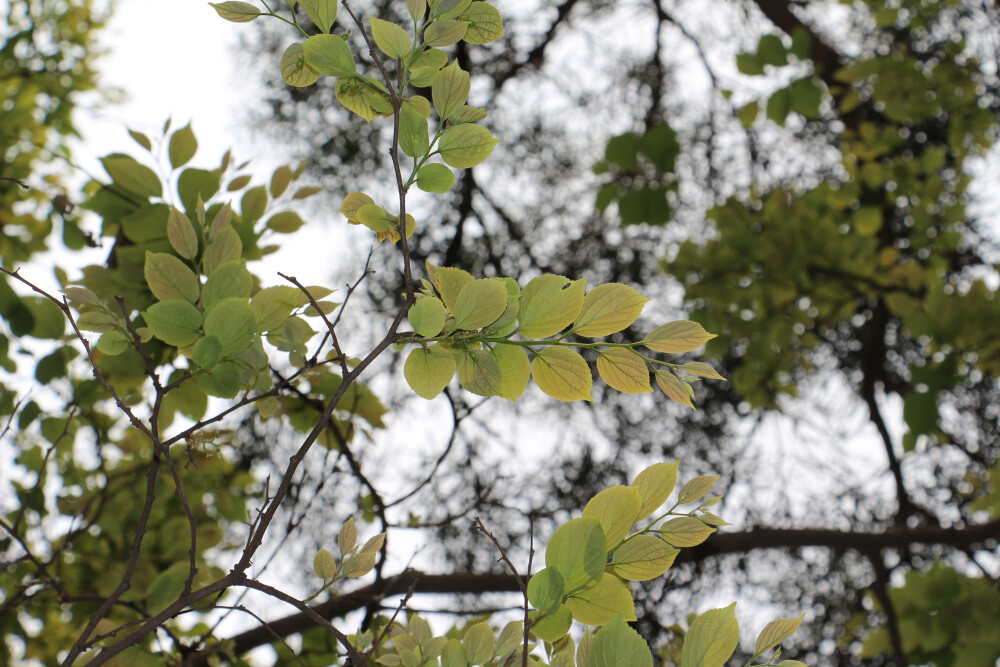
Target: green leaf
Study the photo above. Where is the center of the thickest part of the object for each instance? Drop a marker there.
(207, 351)
(233, 322)
(195, 183)
(655, 484)
(479, 304)
(776, 632)
(617, 644)
(427, 316)
(562, 374)
(175, 322)
(807, 96)
(599, 604)
(549, 303)
(779, 105)
(546, 589)
(450, 90)
(616, 508)
(435, 177)
(352, 203)
(253, 203)
(608, 309)
(229, 280)
(624, 370)
(479, 373)
(413, 138)
(324, 565)
(695, 488)
(321, 12)
(444, 33)
(642, 558)
(465, 146)
(748, 113)
(801, 43)
(749, 63)
(712, 638)
(285, 222)
(685, 531)
(449, 9)
(237, 12)
(515, 370)
(140, 139)
(677, 337)
(416, 9)
(47, 319)
(479, 643)
(169, 278)
(183, 238)
(579, 551)
(554, 626)
(183, 146)
(166, 586)
(390, 38)
(771, 51)
(130, 175)
(485, 23)
(867, 220)
(375, 218)
(330, 55)
(226, 247)
(429, 370)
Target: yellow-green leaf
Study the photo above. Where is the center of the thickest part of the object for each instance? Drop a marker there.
(321, 12)
(427, 316)
(137, 178)
(685, 531)
(295, 71)
(233, 322)
(599, 604)
(655, 484)
(449, 283)
(479, 373)
(226, 247)
(358, 95)
(579, 551)
(616, 509)
(515, 370)
(444, 33)
(285, 222)
(183, 238)
(776, 632)
(170, 278)
(623, 370)
(229, 280)
(696, 487)
(347, 537)
(358, 565)
(237, 12)
(551, 627)
(675, 390)
(330, 55)
(324, 564)
(280, 179)
(562, 374)
(608, 309)
(183, 146)
(450, 90)
(352, 203)
(677, 337)
(549, 303)
(485, 24)
(479, 304)
(391, 39)
(712, 638)
(175, 322)
(702, 370)
(429, 370)
(546, 589)
(643, 557)
(479, 643)
(435, 178)
(465, 146)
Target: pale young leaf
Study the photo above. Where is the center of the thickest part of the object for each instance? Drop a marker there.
(776, 632)
(562, 374)
(464, 146)
(643, 557)
(624, 370)
(695, 488)
(515, 370)
(237, 12)
(685, 531)
(549, 303)
(181, 234)
(479, 373)
(391, 39)
(607, 309)
(702, 370)
(712, 638)
(616, 509)
(324, 565)
(677, 337)
(675, 390)
(599, 604)
(655, 484)
(347, 537)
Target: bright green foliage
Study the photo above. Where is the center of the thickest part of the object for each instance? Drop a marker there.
(711, 639)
